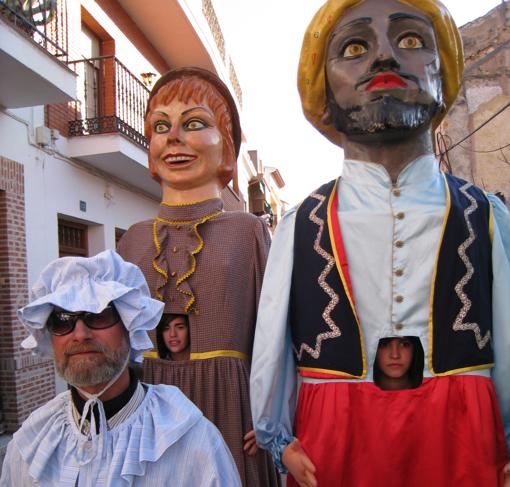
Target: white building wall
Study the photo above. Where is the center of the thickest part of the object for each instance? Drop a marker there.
(125, 50)
(55, 186)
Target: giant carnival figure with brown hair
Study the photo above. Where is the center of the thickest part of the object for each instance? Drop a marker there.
(392, 248)
(201, 261)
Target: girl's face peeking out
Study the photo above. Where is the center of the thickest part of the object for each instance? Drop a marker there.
(394, 357)
(176, 335)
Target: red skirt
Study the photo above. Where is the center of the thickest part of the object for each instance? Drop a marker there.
(446, 433)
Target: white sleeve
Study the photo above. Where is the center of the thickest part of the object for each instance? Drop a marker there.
(501, 309)
(15, 469)
(213, 465)
(273, 371)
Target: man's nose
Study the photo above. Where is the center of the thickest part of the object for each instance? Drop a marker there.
(81, 330)
(385, 58)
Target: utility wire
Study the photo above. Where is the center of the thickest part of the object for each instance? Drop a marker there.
(480, 126)
(484, 151)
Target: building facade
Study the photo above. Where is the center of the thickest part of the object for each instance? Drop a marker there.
(476, 129)
(264, 192)
(75, 79)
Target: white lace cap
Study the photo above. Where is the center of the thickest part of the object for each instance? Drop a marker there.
(89, 284)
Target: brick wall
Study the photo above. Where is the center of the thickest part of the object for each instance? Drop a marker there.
(59, 115)
(26, 382)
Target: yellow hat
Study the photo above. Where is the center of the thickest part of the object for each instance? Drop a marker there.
(311, 70)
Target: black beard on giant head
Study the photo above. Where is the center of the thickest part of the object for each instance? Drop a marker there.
(385, 119)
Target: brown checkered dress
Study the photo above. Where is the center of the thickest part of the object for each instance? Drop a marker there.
(209, 264)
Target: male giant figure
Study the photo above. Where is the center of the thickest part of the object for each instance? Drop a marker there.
(392, 248)
(93, 314)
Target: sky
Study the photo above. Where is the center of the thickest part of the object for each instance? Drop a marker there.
(265, 48)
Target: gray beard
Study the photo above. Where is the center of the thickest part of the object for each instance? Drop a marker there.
(96, 369)
(387, 116)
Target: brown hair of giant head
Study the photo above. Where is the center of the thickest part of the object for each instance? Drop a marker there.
(201, 86)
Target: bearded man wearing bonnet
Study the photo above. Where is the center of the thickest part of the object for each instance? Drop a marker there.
(394, 247)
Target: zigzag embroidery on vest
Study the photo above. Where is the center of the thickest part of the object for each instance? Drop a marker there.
(326, 315)
(459, 324)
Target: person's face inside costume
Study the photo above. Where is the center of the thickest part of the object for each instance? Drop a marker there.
(176, 337)
(383, 72)
(394, 358)
(89, 349)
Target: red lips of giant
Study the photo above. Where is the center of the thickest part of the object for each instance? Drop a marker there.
(386, 81)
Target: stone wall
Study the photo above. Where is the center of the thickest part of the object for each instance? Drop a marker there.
(485, 156)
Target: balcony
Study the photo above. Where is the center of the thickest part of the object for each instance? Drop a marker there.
(106, 123)
(33, 53)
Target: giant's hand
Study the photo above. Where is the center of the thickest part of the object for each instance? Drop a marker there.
(250, 443)
(506, 471)
(299, 465)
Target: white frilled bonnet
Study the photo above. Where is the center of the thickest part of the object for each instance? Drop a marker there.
(89, 284)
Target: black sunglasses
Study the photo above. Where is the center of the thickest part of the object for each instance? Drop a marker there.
(62, 322)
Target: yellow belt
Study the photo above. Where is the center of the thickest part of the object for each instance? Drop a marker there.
(206, 355)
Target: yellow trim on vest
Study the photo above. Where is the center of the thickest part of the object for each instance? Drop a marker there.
(332, 372)
(150, 354)
(218, 353)
(344, 283)
(491, 223)
(465, 369)
(434, 275)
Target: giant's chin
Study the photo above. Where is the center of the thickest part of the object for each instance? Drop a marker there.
(387, 118)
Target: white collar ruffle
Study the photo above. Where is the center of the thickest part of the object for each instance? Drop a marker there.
(51, 444)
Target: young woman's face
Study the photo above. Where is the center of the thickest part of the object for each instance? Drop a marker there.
(186, 146)
(394, 357)
(176, 335)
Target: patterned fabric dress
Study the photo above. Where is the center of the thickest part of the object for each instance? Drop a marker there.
(209, 264)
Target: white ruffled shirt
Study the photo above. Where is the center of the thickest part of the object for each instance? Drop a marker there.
(165, 441)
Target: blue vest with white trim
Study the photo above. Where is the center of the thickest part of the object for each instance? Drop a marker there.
(326, 333)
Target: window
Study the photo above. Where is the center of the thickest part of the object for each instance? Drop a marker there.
(118, 234)
(72, 239)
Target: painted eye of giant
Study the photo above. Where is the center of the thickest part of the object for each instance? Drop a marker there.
(160, 127)
(411, 41)
(195, 124)
(353, 50)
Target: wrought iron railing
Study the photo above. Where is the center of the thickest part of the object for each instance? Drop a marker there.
(45, 21)
(110, 99)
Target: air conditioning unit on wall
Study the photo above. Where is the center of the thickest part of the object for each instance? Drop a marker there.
(44, 136)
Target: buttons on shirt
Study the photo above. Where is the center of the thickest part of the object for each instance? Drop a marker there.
(399, 299)
(399, 244)
(173, 273)
(398, 327)
(174, 249)
(399, 272)
(178, 227)
(396, 192)
(400, 215)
